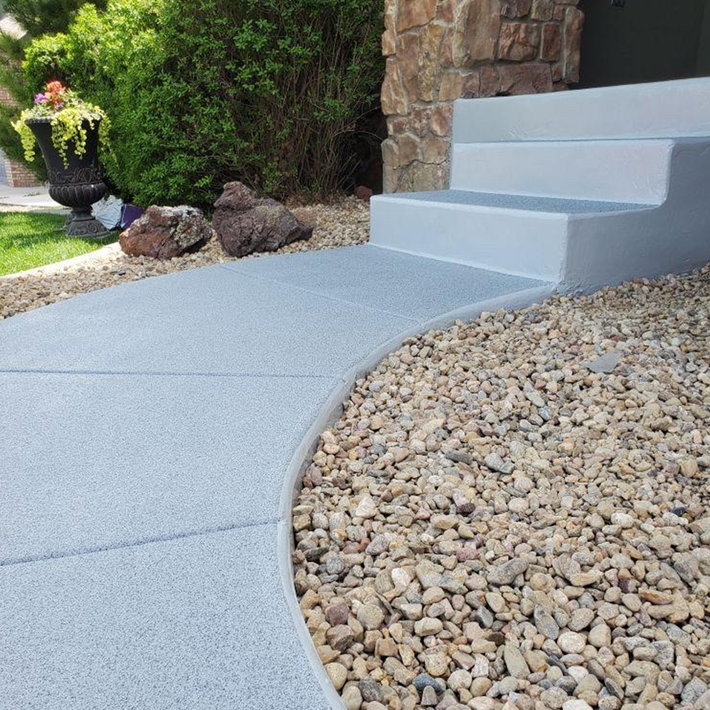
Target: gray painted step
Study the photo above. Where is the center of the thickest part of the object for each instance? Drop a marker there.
(523, 203)
(621, 173)
(524, 235)
(660, 109)
(152, 437)
(627, 171)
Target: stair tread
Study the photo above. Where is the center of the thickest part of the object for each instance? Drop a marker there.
(529, 203)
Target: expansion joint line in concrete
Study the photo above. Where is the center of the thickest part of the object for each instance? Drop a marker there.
(135, 543)
(149, 373)
(312, 292)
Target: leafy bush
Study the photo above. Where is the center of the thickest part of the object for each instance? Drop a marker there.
(201, 92)
(101, 56)
(36, 17)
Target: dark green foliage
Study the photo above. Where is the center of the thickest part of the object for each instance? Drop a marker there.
(201, 92)
(38, 17)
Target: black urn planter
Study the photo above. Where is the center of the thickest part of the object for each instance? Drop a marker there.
(79, 183)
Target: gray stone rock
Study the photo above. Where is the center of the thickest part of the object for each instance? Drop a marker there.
(246, 223)
(606, 363)
(695, 689)
(514, 661)
(429, 696)
(424, 680)
(378, 545)
(496, 463)
(485, 617)
(370, 690)
(546, 625)
(507, 572)
(554, 698)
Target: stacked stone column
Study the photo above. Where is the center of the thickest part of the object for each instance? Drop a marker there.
(441, 50)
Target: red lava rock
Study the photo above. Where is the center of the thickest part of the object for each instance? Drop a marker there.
(246, 223)
(337, 614)
(363, 193)
(165, 232)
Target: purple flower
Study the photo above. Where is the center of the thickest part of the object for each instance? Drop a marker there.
(41, 99)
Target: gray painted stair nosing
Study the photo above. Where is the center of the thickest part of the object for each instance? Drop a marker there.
(432, 201)
(471, 264)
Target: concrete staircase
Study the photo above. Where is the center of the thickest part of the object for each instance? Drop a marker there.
(583, 188)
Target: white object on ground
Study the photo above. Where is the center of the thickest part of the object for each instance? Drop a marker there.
(108, 211)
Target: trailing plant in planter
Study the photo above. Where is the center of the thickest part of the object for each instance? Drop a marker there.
(70, 133)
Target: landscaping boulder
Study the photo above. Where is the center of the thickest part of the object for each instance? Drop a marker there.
(363, 193)
(165, 232)
(246, 223)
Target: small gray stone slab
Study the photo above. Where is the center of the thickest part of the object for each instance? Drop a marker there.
(409, 286)
(89, 462)
(198, 622)
(606, 363)
(204, 320)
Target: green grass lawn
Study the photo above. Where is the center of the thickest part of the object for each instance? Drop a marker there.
(30, 239)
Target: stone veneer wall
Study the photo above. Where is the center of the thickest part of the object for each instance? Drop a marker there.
(16, 174)
(441, 50)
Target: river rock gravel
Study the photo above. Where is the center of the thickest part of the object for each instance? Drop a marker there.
(343, 223)
(515, 512)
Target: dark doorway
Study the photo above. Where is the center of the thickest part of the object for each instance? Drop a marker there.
(633, 41)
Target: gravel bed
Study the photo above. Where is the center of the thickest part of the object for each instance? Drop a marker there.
(343, 223)
(494, 524)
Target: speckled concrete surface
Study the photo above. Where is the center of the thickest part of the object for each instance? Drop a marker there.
(152, 435)
(101, 461)
(205, 320)
(385, 280)
(522, 202)
(197, 622)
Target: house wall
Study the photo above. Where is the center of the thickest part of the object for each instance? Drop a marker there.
(644, 41)
(441, 50)
(703, 66)
(12, 173)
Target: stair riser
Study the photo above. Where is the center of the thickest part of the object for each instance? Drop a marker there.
(673, 238)
(515, 242)
(616, 171)
(659, 110)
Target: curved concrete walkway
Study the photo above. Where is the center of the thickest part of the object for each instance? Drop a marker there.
(151, 436)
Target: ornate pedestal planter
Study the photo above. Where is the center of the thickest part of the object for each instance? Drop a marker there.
(78, 184)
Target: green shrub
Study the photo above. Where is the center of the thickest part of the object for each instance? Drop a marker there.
(36, 17)
(201, 92)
